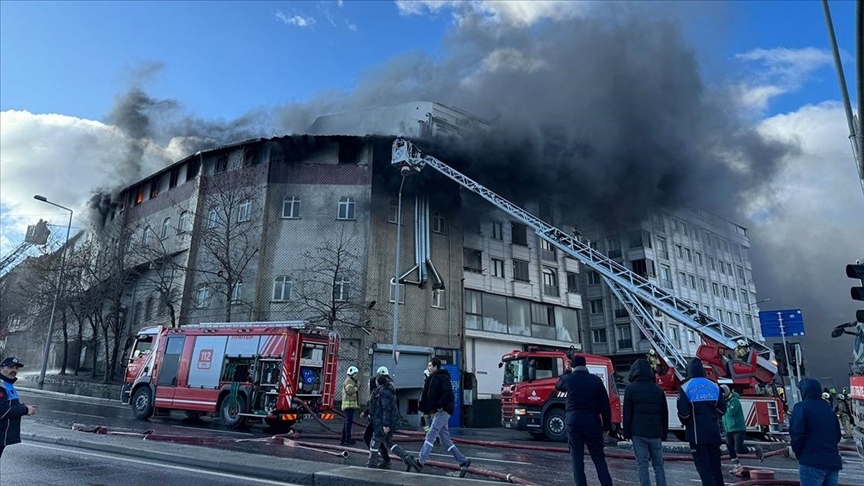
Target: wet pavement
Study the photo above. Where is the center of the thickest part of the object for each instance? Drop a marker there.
(544, 467)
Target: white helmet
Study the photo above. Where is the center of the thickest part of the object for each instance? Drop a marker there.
(382, 370)
(840, 396)
(352, 370)
(742, 342)
(652, 352)
(826, 396)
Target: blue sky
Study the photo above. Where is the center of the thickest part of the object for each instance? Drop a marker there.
(222, 59)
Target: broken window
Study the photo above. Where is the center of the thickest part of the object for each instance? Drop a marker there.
(473, 260)
(221, 164)
(172, 181)
(519, 234)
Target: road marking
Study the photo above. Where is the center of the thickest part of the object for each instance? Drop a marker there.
(61, 399)
(160, 464)
(199, 429)
(477, 459)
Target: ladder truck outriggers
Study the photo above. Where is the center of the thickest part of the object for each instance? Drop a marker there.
(752, 377)
(275, 372)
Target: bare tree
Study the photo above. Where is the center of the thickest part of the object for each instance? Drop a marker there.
(163, 267)
(229, 233)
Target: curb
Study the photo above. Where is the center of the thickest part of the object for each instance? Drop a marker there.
(37, 391)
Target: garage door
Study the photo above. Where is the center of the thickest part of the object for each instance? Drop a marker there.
(408, 373)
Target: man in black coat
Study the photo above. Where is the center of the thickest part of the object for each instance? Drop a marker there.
(815, 435)
(367, 414)
(385, 419)
(646, 421)
(438, 401)
(11, 408)
(588, 416)
(700, 406)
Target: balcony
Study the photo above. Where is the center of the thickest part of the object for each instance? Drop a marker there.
(550, 290)
(620, 313)
(548, 255)
(614, 253)
(625, 343)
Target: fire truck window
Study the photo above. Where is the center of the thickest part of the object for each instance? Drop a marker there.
(171, 361)
(545, 368)
(514, 371)
(142, 346)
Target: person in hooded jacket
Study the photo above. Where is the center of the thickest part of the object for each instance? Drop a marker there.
(646, 421)
(815, 433)
(735, 427)
(700, 406)
(367, 414)
(11, 408)
(385, 419)
(439, 401)
(588, 415)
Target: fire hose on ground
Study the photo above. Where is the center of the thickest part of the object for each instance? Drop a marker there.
(774, 482)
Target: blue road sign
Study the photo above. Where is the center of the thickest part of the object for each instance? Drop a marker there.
(793, 323)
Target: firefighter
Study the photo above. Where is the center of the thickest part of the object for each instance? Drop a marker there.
(350, 403)
(385, 418)
(844, 416)
(367, 414)
(827, 397)
(742, 350)
(652, 360)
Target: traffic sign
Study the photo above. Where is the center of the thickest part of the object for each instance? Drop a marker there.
(777, 323)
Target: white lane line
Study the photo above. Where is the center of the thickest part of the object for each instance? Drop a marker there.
(476, 459)
(199, 429)
(159, 464)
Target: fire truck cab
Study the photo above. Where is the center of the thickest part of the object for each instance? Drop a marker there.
(276, 372)
(529, 400)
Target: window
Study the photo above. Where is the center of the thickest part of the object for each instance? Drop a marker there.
(136, 316)
(166, 225)
(401, 292)
(437, 298)
(550, 282)
(598, 336)
(213, 217)
(439, 223)
(172, 182)
(666, 276)
(291, 207)
(738, 321)
(715, 289)
(519, 234)
(741, 279)
(183, 222)
(497, 230)
(237, 292)
(520, 271)
(643, 267)
(542, 314)
(191, 170)
(547, 251)
(613, 247)
(711, 263)
(596, 306)
(473, 309)
(635, 239)
(744, 297)
(572, 282)
(245, 211)
(473, 260)
(346, 208)
(703, 285)
(734, 295)
(497, 268)
(221, 164)
(725, 292)
(682, 279)
(693, 282)
(145, 238)
(201, 297)
(593, 278)
(699, 259)
(625, 336)
(148, 309)
(728, 318)
(340, 289)
(679, 250)
(662, 248)
(282, 288)
(676, 336)
(154, 188)
(691, 335)
(689, 254)
(719, 314)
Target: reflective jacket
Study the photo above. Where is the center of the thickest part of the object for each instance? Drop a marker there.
(700, 406)
(350, 397)
(11, 411)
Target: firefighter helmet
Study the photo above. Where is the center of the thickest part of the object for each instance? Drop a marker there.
(840, 396)
(826, 396)
(652, 352)
(352, 370)
(742, 342)
(382, 370)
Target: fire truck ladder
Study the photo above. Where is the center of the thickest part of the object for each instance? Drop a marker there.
(14, 254)
(407, 156)
(330, 368)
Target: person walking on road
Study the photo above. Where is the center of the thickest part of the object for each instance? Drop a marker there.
(425, 420)
(735, 427)
(700, 406)
(385, 419)
(646, 421)
(11, 408)
(844, 415)
(588, 416)
(815, 433)
(438, 401)
(350, 403)
(367, 414)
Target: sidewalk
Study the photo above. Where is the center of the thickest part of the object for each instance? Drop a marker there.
(289, 470)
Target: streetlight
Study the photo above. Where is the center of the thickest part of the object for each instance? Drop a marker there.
(41, 382)
(405, 173)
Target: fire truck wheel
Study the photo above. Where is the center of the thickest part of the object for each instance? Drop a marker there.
(141, 402)
(554, 425)
(230, 410)
(279, 426)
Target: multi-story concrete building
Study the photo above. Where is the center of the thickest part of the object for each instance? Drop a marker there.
(701, 257)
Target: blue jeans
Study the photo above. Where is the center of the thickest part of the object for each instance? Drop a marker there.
(812, 476)
(440, 429)
(649, 449)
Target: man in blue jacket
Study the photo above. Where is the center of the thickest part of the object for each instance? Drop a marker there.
(588, 416)
(11, 408)
(815, 434)
(700, 406)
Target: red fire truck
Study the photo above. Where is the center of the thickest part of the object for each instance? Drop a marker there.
(529, 400)
(277, 372)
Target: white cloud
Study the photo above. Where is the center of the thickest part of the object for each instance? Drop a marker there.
(512, 13)
(295, 20)
(778, 71)
(351, 26)
(63, 158)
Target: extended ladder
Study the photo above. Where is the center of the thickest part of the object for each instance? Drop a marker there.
(407, 155)
(12, 256)
(330, 363)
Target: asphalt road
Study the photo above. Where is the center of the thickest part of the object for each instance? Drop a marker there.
(545, 467)
(32, 464)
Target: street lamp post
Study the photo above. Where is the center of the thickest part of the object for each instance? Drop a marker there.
(41, 382)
